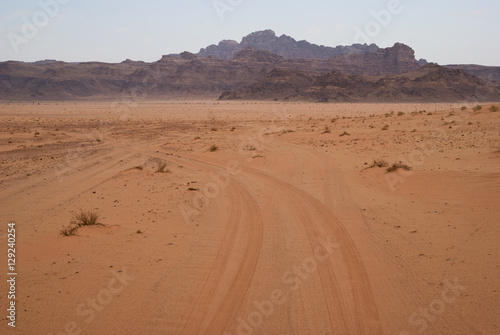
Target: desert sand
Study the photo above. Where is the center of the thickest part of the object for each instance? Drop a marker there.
(265, 220)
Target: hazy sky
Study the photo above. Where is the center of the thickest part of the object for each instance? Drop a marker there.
(442, 31)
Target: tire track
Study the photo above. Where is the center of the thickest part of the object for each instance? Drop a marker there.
(363, 308)
(232, 272)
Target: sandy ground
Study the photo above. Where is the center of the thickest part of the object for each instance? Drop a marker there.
(284, 227)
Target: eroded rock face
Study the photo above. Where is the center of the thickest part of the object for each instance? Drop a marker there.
(430, 83)
(284, 46)
(390, 74)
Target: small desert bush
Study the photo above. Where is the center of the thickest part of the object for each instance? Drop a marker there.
(477, 108)
(380, 163)
(385, 127)
(401, 113)
(213, 148)
(463, 108)
(327, 130)
(397, 166)
(494, 109)
(161, 167)
(71, 230)
(86, 218)
(345, 133)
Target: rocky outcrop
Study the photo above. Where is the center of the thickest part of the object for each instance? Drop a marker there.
(283, 45)
(390, 74)
(491, 73)
(430, 83)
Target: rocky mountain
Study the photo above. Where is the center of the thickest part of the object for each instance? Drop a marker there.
(284, 46)
(187, 74)
(430, 83)
(253, 72)
(491, 73)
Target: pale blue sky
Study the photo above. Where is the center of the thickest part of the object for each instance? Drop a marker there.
(442, 31)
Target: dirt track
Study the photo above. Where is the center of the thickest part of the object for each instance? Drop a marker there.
(284, 230)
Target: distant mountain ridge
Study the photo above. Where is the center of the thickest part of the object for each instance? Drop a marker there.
(247, 70)
(284, 46)
(430, 83)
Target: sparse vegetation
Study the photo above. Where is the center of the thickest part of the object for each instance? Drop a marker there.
(385, 127)
(345, 133)
(161, 166)
(401, 113)
(397, 166)
(494, 109)
(380, 163)
(327, 130)
(71, 230)
(197, 138)
(477, 108)
(86, 218)
(213, 148)
(213, 129)
(463, 108)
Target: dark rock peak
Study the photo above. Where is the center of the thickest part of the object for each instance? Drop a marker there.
(283, 45)
(188, 55)
(251, 54)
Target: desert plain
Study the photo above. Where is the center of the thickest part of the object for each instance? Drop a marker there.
(252, 217)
